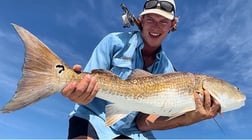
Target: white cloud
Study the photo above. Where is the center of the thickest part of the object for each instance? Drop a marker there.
(53, 107)
(74, 19)
(11, 59)
(218, 42)
(64, 51)
(221, 35)
(12, 124)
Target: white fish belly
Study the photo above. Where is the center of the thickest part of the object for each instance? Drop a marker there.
(169, 103)
(165, 103)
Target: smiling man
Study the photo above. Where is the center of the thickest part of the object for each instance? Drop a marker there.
(121, 53)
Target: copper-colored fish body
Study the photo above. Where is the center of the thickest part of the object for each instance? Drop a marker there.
(44, 74)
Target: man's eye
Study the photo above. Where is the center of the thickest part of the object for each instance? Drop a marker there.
(164, 22)
(149, 20)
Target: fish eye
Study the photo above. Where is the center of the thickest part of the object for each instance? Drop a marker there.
(237, 88)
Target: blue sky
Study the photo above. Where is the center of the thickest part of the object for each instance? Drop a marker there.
(213, 37)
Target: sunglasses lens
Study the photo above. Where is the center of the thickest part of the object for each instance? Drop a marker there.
(166, 6)
(151, 4)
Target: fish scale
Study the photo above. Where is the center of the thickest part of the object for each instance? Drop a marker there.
(171, 94)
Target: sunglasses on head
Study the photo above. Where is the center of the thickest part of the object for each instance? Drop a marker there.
(164, 5)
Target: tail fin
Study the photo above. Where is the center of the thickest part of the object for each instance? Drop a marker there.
(39, 78)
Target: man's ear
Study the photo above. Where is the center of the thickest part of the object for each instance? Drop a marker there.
(140, 19)
(140, 23)
(174, 24)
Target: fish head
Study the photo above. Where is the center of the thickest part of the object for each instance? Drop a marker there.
(228, 95)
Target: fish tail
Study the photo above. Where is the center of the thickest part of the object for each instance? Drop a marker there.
(41, 75)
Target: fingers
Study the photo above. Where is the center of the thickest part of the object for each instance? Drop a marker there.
(212, 106)
(216, 108)
(82, 86)
(68, 89)
(198, 102)
(86, 89)
(207, 108)
(92, 94)
(77, 68)
(82, 92)
(207, 100)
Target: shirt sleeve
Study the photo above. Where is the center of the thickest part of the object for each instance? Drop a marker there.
(101, 56)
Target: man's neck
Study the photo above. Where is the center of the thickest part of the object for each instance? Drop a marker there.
(150, 51)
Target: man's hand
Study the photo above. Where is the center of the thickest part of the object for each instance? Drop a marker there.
(81, 92)
(206, 109)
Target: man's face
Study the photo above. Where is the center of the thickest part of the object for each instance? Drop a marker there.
(154, 29)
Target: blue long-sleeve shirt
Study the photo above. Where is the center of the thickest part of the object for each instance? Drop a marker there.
(120, 53)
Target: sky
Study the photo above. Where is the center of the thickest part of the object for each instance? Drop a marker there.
(213, 37)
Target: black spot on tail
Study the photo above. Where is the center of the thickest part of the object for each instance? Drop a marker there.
(61, 67)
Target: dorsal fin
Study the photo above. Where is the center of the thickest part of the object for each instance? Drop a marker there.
(138, 73)
(103, 71)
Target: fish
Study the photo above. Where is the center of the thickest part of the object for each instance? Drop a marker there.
(169, 94)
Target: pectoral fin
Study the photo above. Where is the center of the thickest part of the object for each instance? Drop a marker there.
(114, 114)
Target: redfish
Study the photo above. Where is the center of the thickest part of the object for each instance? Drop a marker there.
(171, 94)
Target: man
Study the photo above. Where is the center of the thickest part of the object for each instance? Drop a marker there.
(121, 53)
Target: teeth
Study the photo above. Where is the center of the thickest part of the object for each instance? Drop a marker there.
(154, 34)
